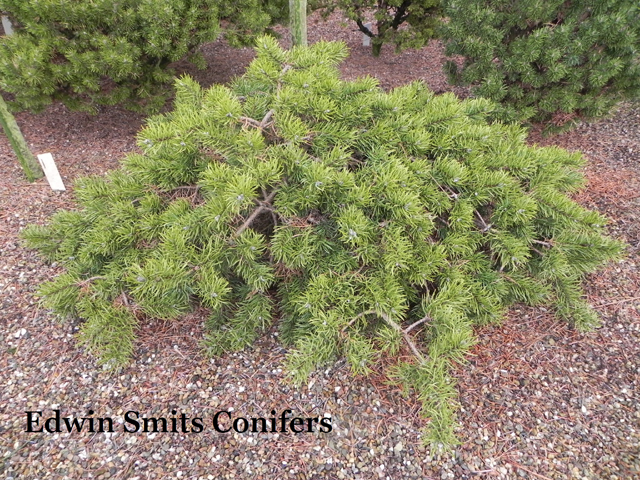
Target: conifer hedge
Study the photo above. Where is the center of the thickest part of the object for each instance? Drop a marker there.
(362, 223)
(547, 60)
(100, 52)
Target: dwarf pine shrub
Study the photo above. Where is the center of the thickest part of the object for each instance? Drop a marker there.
(362, 223)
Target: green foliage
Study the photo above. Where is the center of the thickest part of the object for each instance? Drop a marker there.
(99, 52)
(421, 17)
(547, 60)
(363, 223)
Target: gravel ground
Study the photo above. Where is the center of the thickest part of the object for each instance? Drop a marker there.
(538, 399)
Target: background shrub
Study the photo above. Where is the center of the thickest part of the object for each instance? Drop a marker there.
(86, 53)
(547, 60)
(362, 223)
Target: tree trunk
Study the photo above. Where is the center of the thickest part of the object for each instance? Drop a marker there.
(376, 46)
(298, 22)
(30, 164)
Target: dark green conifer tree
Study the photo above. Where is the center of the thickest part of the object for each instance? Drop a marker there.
(547, 60)
(362, 223)
(87, 53)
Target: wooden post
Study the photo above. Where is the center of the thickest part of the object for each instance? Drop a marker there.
(298, 22)
(30, 165)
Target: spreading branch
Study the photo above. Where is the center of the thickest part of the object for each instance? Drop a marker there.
(364, 29)
(485, 227)
(395, 326)
(540, 242)
(401, 14)
(265, 205)
(91, 279)
(80, 284)
(266, 119)
(251, 121)
(262, 124)
(426, 318)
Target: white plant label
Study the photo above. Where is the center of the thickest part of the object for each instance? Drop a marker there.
(51, 171)
(366, 39)
(6, 25)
